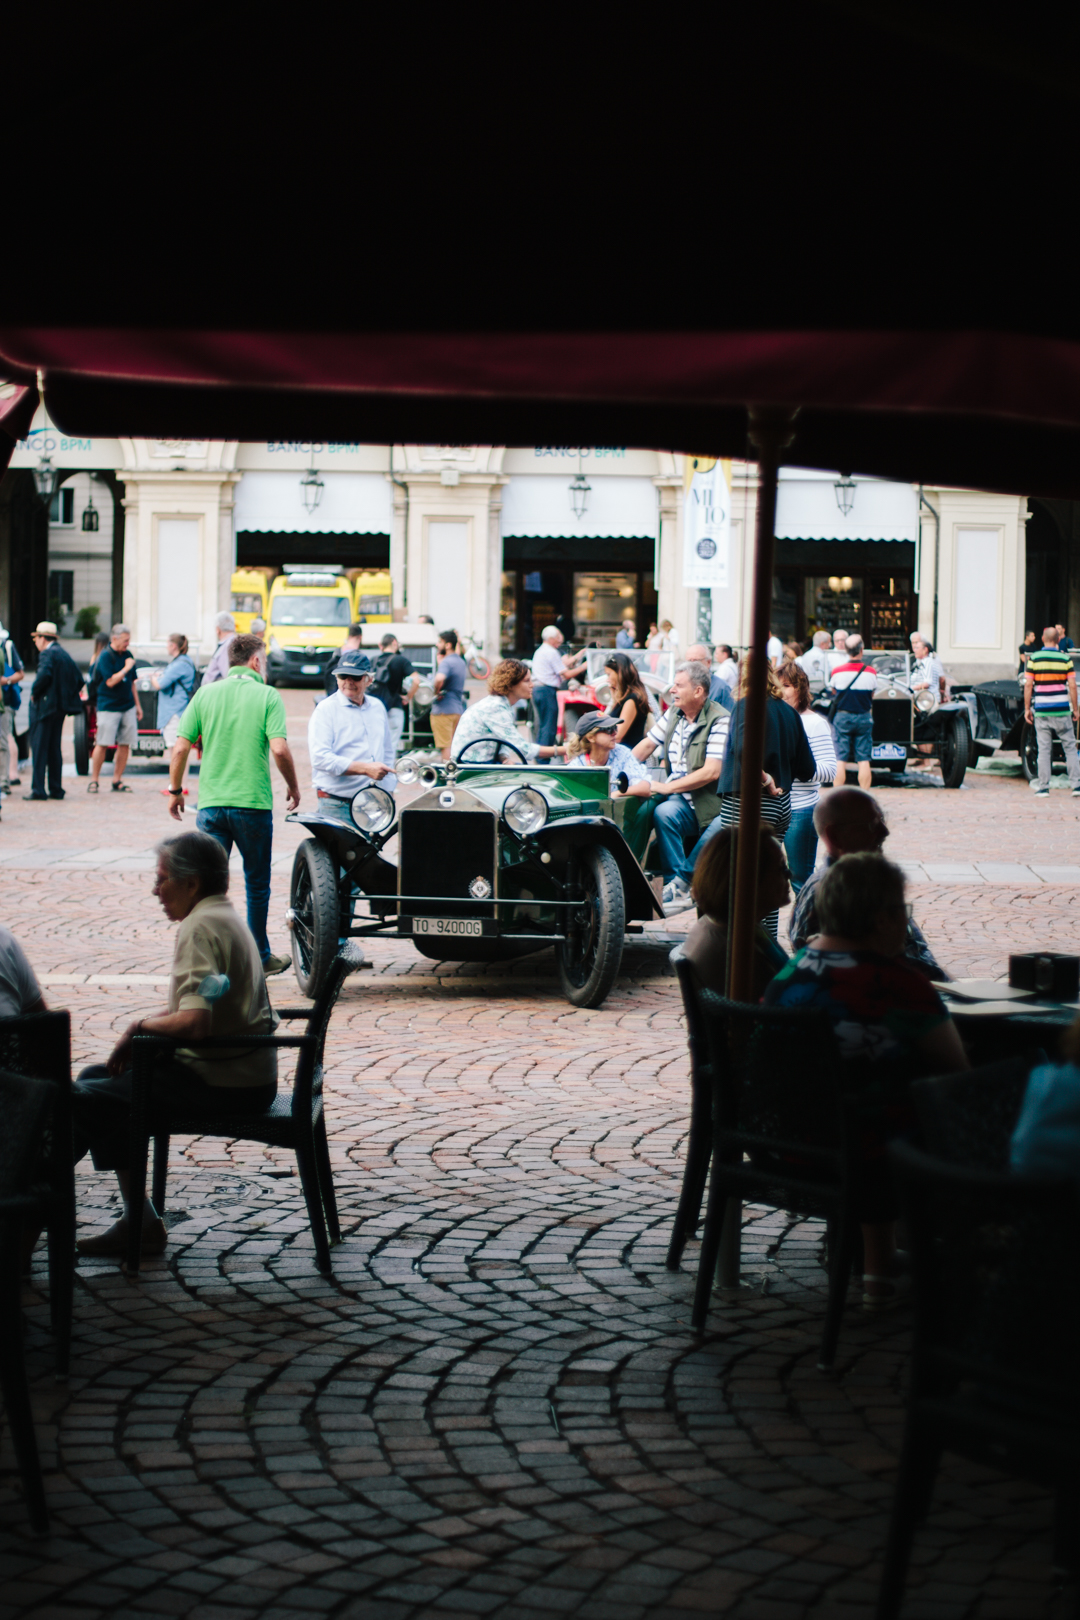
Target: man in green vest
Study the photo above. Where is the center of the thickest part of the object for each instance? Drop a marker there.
(691, 738)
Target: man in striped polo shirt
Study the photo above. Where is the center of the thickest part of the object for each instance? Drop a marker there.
(1050, 705)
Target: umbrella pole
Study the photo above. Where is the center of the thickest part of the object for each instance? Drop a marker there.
(770, 431)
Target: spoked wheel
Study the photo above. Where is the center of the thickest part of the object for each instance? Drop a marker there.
(313, 900)
(479, 668)
(589, 959)
(80, 737)
(1029, 753)
(953, 750)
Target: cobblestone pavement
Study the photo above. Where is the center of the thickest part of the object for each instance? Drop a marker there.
(496, 1406)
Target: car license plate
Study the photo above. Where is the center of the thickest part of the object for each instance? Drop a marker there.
(310, 669)
(888, 751)
(150, 745)
(453, 927)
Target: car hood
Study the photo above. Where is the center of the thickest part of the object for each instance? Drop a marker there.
(568, 792)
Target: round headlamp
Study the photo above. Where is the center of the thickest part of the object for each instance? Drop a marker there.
(372, 810)
(407, 770)
(603, 692)
(525, 811)
(424, 696)
(925, 701)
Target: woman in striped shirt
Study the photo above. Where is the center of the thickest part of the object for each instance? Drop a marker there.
(800, 840)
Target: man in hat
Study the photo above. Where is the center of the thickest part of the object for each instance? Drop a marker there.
(349, 740)
(242, 723)
(54, 693)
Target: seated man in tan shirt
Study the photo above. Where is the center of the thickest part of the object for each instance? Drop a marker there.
(217, 989)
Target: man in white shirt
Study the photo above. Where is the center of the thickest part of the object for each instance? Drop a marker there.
(839, 654)
(816, 661)
(775, 649)
(550, 671)
(350, 741)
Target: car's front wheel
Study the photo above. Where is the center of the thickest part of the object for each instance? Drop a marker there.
(1029, 753)
(313, 903)
(953, 750)
(80, 738)
(589, 958)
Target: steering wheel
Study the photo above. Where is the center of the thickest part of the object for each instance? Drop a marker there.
(503, 742)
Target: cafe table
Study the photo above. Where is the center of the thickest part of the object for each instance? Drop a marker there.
(996, 1021)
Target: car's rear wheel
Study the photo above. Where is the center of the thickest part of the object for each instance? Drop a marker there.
(952, 750)
(1029, 753)
(589, 958)
(313, 901)
(80, 737)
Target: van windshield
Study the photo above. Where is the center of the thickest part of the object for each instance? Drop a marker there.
(311, 610)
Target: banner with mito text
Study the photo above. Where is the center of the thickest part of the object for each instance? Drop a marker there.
(706, 523)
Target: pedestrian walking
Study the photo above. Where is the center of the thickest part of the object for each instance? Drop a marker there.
(54, 694)
(242, 722)
(1050, 706)
(218, 667)
(775, 649)
(176, 685)
(551, 670)
(854, 683)
(352, 643)
(118, 708)
(800, 840)
(450, 699)
(388, 676)
(1064, 642)
(624, 636)
(11, 674)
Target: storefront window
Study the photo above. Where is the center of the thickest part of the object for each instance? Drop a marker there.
(833, 603)
(508, 614)
(601, 602)
(890, 610)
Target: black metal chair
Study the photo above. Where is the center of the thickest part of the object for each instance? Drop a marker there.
(29, 1109)
(968, 1118)
(780, 1136)
(38, 1045)
(295, 1119)
(699, 1140)
(997, 1323)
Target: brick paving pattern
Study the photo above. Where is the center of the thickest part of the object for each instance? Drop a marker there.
(495, 1407)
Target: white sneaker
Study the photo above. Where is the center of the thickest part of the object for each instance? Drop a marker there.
(676, 897)
(1041, 792)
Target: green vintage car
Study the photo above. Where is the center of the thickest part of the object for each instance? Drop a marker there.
(493, 862)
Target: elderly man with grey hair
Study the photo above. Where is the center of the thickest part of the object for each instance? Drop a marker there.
(719, 690)
(216, 989)
(218, 667)
(816, 661)
(691, 738)
(550, 671)
(118, 708)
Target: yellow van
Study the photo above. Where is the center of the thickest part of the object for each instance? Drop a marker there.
(372, 593)
(250, 596)
(309, 618)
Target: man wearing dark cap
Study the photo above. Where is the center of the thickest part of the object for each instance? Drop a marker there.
(349, 740)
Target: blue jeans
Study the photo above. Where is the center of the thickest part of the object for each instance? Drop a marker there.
(675, 824)
(800, 846)
(547, 713)
(252, 831)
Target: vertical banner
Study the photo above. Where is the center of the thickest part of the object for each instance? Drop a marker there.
(706, 523)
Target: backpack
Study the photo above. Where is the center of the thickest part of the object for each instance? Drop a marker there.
(379, 673)
(12, 694)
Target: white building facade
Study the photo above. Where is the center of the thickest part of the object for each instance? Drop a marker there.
(498, 542)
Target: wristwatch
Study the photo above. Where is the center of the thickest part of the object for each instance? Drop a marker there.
(176, 790)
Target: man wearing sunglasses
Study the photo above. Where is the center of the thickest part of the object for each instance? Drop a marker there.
(350, 740)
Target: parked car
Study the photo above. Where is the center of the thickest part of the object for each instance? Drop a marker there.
(417, 642)
(999, 725)
(915, 725)
(494, 861)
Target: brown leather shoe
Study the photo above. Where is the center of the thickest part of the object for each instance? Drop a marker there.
(113, 1244)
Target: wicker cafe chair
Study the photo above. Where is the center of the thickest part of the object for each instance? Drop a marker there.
(29, 1110)
(780, 1136)
(699, 1141)
(294, 1119)
(38, 1045)
(997, 1322)
(968, 1118)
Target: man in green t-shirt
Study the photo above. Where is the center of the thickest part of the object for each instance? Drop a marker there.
(241, 721)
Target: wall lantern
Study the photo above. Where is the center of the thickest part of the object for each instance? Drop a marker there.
(46, 480)
(90, 520)
(845, 492)
(311, 488)
(580, 491)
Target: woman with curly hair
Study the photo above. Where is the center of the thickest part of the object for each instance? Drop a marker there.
(493, 719)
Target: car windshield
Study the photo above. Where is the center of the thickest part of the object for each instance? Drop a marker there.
(888, 663)
(246, 602)
(657, 668)
(313, 611)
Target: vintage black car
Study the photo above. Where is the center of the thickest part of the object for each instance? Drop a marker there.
(910, 724)
(1000, 727)
(493, 861)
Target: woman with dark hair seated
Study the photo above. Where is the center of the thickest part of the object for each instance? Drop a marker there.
(707, 942)
(629, 700)
(891, 1028)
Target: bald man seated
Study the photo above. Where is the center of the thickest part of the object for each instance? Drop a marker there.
(849, 822)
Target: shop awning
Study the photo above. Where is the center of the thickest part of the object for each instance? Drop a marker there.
(617, 508)
(807, 508)
(351, 503)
